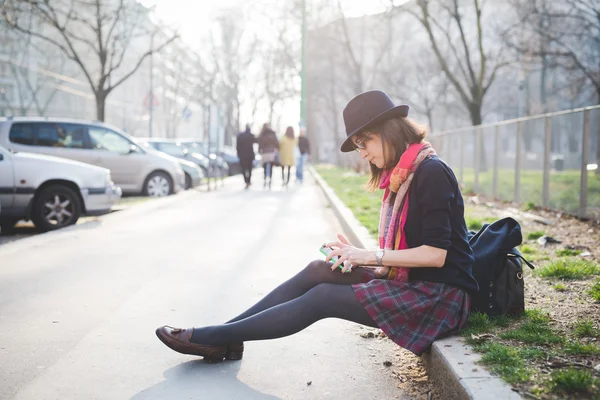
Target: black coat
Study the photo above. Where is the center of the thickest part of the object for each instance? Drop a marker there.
(245, 148)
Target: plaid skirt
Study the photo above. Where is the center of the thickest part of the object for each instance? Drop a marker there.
(415, 313)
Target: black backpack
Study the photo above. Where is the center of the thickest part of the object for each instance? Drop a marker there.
(498, 268)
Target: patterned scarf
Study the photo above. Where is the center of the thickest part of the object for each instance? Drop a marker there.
(398, 181)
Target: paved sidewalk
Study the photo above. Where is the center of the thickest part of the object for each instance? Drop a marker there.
(78, 307)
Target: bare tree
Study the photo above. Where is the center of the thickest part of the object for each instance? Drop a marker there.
(279, 63)
(231, 55)
(563, 35)
(457, 37)
(79, 28)
(36, 82)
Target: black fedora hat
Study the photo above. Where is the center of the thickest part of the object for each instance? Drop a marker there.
(368, 109)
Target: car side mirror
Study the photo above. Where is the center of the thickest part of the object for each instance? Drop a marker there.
(133, 149)
(1, 156)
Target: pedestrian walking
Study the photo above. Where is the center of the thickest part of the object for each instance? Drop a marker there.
(245, 151)
(303, 157)
(416, 286)
(268, 147)
(287, 144)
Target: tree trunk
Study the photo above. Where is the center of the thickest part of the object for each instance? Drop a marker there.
(597, 172)
(475, 114)
(100, 105)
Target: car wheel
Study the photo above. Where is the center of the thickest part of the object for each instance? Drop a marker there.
(55, 207)
(205, 170)
(188, 181)
(158, 184)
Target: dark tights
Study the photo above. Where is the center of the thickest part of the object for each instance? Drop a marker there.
(314, 293)
(283, 179)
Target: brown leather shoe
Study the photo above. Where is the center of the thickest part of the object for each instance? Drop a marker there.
(178, 339)
(235, 351)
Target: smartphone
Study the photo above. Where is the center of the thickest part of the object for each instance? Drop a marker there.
(326, 250)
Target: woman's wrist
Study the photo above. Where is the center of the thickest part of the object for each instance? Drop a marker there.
(372, 258)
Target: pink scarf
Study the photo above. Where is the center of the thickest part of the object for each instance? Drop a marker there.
(398, 181)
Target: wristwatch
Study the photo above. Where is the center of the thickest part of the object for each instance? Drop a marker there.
(379, 256)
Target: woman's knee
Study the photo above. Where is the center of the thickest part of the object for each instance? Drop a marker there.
(315, 271)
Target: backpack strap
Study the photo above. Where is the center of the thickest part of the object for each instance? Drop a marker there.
(511, 254)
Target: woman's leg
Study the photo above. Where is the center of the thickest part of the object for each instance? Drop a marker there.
(289, 170)
(312, 275)
(325, 300)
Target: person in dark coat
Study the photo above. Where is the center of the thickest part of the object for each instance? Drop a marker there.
(245, 152)
(268, 147)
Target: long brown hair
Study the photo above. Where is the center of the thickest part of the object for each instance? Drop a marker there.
(396, 135)
(289, 132)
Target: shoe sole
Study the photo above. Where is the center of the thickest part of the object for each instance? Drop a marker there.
(208, 359)
(234, 355)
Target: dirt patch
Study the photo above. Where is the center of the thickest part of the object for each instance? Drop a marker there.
(566, 302)
(407, 368)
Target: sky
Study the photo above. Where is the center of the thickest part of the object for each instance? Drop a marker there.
(192, 19)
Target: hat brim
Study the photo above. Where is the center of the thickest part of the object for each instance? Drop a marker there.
(398, 111)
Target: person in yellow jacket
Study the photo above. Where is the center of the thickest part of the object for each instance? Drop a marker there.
(287, 144)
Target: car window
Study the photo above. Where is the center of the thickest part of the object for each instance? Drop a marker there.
(21, 133)
(171, 149)
(104, 139)
(53, 134)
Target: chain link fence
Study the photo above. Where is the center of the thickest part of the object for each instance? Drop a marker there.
(549, 160)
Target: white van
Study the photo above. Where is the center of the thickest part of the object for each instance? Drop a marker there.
(50, 191)
(132, 168)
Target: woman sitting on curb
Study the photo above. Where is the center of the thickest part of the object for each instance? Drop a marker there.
(415, 287)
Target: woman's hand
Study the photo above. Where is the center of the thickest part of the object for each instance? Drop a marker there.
(349, 255)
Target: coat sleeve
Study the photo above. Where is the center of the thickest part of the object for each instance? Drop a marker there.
(435, 191)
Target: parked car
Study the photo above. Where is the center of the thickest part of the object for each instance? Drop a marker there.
(217, 162)
(193, 172)
(178, 151)
(50, 191)
(134, 169)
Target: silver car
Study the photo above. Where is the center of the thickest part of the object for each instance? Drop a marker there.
(52, 192)
(132, 168)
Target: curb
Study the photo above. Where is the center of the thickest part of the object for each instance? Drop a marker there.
(451, 364)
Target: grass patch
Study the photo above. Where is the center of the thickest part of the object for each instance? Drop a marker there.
(579, 349)
(474, 224)
(533, 353)
(535, 235)
(569, 268)
(534, 330)
(527, 249)
(573, 380)
(595, 290)
(559, 287)
(506, 361)
(567, 252)
(482, 323)
(530, 205)
(585, 327)
(351, 189)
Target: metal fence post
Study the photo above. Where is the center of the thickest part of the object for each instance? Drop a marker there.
(517, 197)
(477, 145)
(547, 150)
(585, 144)
(495, 152)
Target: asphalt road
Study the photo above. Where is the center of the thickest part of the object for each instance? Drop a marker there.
(78, 307)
